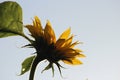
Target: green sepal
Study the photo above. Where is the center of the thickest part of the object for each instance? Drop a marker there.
(26, 64)
(53, 71)
(47, 67)
(59, 68)
(10, 19)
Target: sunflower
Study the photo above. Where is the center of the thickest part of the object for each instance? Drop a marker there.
(52, 50)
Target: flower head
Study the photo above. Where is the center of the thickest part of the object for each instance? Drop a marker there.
(47, 47)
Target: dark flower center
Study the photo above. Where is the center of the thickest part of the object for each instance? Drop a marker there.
(46, 51)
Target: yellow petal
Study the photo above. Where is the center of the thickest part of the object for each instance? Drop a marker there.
(60, 43)
(31, 29)
(81, 55)
(78, 50)
(35, 29)
(69, 53)
(74, 44)
(68, 41)
(69, 50)
(72, 61)
(37, 20)
(65, 34)
(38, 26)
(49, 33)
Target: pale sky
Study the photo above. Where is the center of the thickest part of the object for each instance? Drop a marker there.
(96, 23)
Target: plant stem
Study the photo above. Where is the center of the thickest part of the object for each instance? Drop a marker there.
(33, 68)
(18, 33)
(26, 38)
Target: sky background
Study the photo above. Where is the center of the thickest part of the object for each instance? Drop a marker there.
(96, 23)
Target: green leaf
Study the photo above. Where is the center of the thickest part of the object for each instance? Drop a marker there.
(10, 19)
(26, 65)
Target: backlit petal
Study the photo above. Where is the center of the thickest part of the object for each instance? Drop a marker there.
(60, 43)
(35, 29)
(81, 55)
(72, 61)
(68, 42)
(38, 26)
(70, 55)
(31, 29)
(74, 44)
(49, 33)
(78, 50)
(65, 34)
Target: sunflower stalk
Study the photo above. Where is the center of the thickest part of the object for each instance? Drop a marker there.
(33, 68)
